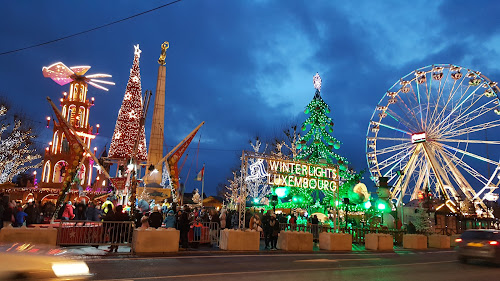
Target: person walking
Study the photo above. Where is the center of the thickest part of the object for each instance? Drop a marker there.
(275, 230)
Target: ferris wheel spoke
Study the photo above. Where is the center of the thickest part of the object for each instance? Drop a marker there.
(466, 167)
(393, 148)
(463, 120)
(462, 182)
(467, 141)
(458, 106)
(453, 91)
(451, 99)
(411, 116)
(394, 139)
(391, 127)
(471, 154)
(394, 160)
(401, 120)
(471, 129)
(404, 179)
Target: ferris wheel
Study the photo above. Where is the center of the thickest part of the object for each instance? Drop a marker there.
(437, 130)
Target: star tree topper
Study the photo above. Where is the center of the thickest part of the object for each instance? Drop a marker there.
(317, 82)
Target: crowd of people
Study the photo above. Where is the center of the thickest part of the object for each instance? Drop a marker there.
(15, 214)
(183, 218)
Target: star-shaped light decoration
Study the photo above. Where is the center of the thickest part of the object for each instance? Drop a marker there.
(317, 82)
(137, 51)
(132, 114)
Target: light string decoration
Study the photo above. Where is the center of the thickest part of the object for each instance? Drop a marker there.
(258, 188)
(127, 125)
(317, 146)
(17, 150)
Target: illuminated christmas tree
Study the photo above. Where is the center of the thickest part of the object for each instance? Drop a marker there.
(128, 123)
(16, 148)
(317, 146)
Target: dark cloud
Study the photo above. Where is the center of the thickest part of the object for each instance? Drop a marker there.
(244, 67)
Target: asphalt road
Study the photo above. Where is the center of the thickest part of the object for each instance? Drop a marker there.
(400, 265)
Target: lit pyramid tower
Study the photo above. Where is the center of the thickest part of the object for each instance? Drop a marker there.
(75, 109)
(128, 123)
(317, 144)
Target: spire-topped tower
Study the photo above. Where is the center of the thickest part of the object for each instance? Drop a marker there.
(127, 128)
(155, 153)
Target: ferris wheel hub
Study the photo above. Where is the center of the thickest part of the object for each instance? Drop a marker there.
(418, 137)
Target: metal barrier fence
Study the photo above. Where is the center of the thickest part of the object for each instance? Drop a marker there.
(205, 233)
(358, 233)
(94, 233)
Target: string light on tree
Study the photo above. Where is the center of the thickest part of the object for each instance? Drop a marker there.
(317, 145)
(127, 128)
(17, 150)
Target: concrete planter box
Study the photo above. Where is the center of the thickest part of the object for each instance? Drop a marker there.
(452, 240)
(237, 240)
(295, 241)
(439, 241)
(379, 242)
(415, 241)
(150, 241)
(335, 241)
(32, 235)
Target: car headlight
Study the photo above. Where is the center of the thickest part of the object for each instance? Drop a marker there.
(70, 269)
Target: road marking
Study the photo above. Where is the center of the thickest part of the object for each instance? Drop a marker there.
(277, 271)
(261, 255)
(329, 260)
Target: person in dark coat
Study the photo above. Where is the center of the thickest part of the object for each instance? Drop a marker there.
(184, 226)
(92, 214)
(156, 218)
(32, 213)
(267, 229)
(275, 230)
(80, 211)
(118, 233)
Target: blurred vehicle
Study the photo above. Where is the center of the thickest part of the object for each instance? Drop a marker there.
(33, 262)
(481, 244)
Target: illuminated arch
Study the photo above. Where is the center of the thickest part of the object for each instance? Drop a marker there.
(81, 174)
(71, 114)
(46, 172)
(55, 142)
(59, 171)
(81, 115)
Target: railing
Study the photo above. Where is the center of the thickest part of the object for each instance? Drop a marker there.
(358, 233)
(208, 232)
(93, 233)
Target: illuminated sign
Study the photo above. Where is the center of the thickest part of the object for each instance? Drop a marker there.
(295, 174)
(418, 137)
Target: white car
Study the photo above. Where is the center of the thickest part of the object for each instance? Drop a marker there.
(32, 262)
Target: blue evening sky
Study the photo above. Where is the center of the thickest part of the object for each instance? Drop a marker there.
(243, 67)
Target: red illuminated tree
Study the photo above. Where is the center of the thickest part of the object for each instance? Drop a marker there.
(128, 127)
